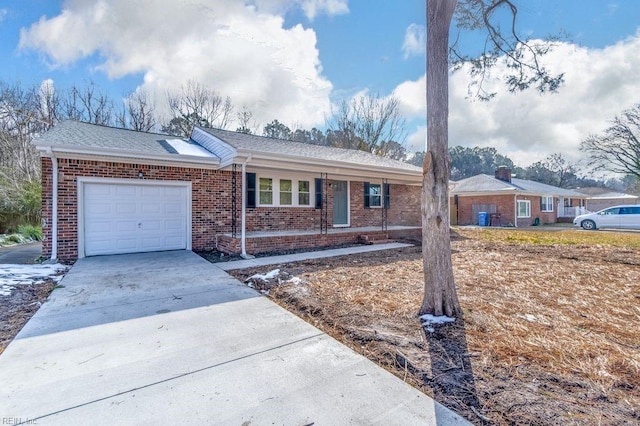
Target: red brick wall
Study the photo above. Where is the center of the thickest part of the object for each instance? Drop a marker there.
(211, 203)
(505, 205)
(211, 199)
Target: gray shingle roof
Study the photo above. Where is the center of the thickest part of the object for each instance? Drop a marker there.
(71, 133)
(268, 145)
(489, 184)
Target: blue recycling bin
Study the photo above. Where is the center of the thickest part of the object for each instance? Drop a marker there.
(483, 219)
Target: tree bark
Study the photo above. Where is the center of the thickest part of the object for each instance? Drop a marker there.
(440, 296)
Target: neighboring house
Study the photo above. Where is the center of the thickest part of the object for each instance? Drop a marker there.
(601, 198)
(511, 202)
(108, 190)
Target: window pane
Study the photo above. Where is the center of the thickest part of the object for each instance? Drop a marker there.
(266, 184)
(285, 198)
(375, 201)
(285, 185)
(266, 197)
(374, 189)
(303, 199)
(303, 186)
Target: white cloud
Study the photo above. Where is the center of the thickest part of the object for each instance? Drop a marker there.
(241, 51)
(331, 7)
(414, 41)
(3, 14)
(527, 126)
(311, 8)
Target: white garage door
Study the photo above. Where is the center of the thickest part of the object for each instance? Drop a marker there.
(132, 218)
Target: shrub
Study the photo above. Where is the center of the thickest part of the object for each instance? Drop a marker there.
(31, 232)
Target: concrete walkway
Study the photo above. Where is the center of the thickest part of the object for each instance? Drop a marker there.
(297, 257)
(20, 254)
(168, 337)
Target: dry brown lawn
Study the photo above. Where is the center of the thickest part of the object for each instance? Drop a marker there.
(551, 329)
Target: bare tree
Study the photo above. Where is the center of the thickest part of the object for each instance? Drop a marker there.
(369, 123)
(19, 123)
(197, 104)
(440, 295)
(138, 113)
(88, 104)
(617, 149)
(244, 119)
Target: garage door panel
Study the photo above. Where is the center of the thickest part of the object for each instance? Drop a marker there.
(124, 190)
(174, 225)
(125, 245)
(98, 208)
(126, 225)
(153, 208)
(126, 208)
(129, 218)
(175, 209)
(153, 192)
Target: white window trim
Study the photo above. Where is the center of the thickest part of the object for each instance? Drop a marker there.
(275, 179)
(81, 181)
(548, 197)
(528, 203)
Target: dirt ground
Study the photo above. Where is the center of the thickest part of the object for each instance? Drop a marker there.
(16, 309)
(551, 328)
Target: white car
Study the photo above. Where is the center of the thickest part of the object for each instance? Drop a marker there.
(627, 216)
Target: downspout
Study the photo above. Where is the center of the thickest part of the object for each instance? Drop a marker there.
(515, 210)
(54, 205)
(243, 240)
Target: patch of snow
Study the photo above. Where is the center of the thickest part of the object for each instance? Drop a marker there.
(530, 318)
(15, 275)
(295, 280)
(188, 148)
(265, 277)
(428, 320)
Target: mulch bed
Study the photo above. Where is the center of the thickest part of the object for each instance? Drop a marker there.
(19, 307)
(550, 335)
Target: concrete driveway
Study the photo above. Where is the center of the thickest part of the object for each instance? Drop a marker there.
(168, 337)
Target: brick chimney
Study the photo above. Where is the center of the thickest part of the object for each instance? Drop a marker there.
(503, 173)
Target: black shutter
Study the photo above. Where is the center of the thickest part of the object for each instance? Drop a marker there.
(318, 185)
(387, 199)
(366, 195)
(251, 190)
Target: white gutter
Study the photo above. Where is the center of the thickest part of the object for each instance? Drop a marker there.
(515, 210)
(243, 236)
(54, 205)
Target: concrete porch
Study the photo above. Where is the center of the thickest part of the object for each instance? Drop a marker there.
(279, 241)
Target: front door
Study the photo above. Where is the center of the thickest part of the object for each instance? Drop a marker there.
(340, 203)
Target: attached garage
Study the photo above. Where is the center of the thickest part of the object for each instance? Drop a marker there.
(117, 216)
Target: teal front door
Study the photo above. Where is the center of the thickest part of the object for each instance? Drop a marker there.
(340, 203)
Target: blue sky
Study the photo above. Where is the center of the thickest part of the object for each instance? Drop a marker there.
(291, 59)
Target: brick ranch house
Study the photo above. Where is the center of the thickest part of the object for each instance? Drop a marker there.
(111, 191)
(512, 202)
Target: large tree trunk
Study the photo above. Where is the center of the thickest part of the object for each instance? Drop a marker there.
(440, 296)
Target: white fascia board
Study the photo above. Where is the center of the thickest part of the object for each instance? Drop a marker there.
(290, 162)
(486, 193)
(106, 154)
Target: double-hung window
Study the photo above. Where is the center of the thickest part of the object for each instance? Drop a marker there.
(266, 191)
(524, 208)
(304, 193)
(286, 192)
(546, 204)
(375, 195)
